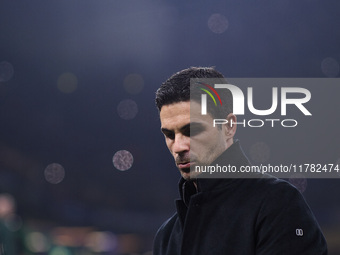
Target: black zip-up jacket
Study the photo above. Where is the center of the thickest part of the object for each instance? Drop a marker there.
(263, 216)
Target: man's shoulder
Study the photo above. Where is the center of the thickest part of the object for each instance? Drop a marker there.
(268, 183)
(168, 225)
(274, 186)
(264, 191)
(261, 185)
(164, 234)
(274, 196)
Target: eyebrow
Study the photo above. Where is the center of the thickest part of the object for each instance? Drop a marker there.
(196, 124)
(165, 130)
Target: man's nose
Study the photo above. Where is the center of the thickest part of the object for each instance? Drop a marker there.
(181, 144)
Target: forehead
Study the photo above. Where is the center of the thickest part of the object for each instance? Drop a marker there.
(174, 114)
(177, 115)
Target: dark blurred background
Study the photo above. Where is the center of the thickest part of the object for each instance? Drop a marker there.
(83, 165)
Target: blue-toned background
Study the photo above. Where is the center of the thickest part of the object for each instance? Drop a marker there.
(77, 84)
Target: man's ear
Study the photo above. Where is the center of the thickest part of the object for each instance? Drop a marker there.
(230, 127)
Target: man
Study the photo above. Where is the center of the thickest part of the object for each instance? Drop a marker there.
(262, 215)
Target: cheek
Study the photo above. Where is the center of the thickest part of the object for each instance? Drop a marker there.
(169, 145)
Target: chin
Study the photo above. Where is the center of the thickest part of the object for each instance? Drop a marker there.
(186, 174)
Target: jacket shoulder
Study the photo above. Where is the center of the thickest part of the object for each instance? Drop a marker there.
(163, 234)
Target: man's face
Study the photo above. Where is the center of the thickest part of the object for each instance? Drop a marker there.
(204, 145)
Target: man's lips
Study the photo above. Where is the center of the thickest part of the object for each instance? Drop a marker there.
(184, 165)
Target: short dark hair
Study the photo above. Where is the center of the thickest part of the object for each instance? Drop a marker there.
(177, 89)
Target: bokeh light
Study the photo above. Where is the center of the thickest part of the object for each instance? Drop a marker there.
(6, 71)
(13, 222)
(127, 109)
(218, 23)
(330, 67)
(133, 83)
(69, 236)
(122, 160)
(37, 242)
(7, 205)
(59, 250)
(67, 83)
(259, 152)
(299, 181)
(101, 241)
(54, 173)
